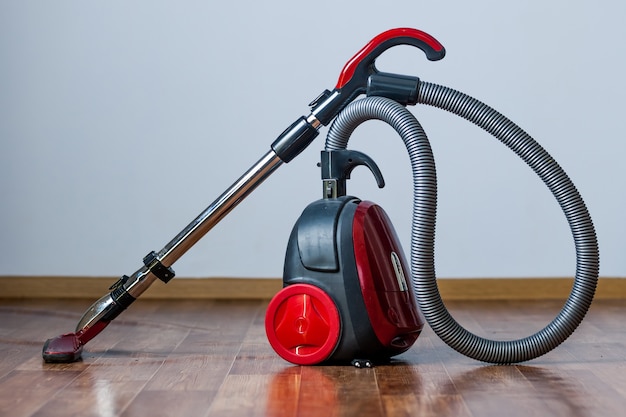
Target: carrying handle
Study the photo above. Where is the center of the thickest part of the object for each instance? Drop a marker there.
(358, 71)
(337, 165)
(362, 65)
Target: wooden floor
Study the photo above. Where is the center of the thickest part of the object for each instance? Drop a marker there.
(211, 358)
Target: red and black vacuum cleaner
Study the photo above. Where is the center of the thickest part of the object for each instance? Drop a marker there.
(346, 296)
(349, 294)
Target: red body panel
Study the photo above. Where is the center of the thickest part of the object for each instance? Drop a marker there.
(384, 278)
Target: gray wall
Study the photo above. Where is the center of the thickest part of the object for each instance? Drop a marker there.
(121, 121)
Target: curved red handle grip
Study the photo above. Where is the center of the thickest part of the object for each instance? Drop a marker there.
(361, 65)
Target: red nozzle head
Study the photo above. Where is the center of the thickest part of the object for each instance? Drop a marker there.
(63, 349)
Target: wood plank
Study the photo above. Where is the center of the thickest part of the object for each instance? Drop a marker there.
(265, 288)
(168, 404)
(23, 393)
(339, 391)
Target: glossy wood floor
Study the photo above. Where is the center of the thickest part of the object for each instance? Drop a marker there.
(211, 358)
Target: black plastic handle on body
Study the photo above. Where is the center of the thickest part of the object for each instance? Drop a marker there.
(338, 165)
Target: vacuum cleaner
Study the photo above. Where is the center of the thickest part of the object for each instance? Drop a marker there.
(349, 294)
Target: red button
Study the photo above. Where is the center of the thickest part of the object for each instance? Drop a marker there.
(302, 324)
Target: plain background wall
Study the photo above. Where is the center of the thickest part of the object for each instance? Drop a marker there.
(121, 121)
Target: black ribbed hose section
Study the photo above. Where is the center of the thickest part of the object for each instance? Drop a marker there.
(424, 212)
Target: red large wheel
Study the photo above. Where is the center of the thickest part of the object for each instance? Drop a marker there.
(302, 324)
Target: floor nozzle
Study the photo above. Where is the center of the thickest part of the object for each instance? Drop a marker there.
(68, 347)
(63, 349)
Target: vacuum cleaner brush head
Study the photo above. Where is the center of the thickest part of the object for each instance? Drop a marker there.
(63, 349)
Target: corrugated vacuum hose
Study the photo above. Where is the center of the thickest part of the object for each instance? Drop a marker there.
(424, 214)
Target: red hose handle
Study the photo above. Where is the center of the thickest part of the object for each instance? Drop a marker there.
(353, 81)
(362, 65)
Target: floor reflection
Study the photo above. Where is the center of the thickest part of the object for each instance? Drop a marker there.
(414, 389)
(519, 389)
(333, 391)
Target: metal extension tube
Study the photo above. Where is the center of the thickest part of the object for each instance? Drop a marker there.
(205, 221)
(139, 281)
(424, 213)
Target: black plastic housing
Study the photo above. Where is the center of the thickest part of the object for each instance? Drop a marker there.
(320, 253)
(294, 139)
(401, 88)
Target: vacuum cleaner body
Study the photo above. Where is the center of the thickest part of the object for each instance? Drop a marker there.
(345, 295)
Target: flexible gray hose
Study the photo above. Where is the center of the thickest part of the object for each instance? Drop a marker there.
(424, 212)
